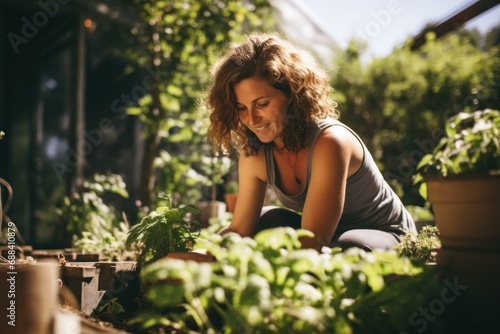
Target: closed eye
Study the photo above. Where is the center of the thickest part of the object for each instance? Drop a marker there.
(262, 104)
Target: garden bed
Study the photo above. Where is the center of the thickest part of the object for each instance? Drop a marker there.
(95, 284)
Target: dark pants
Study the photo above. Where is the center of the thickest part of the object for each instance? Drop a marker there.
(366, 239)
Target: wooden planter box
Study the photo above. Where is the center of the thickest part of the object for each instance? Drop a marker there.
(20, 251)
(96, 283)
(70, 254)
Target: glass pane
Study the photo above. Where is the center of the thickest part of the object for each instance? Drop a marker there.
(53, 154)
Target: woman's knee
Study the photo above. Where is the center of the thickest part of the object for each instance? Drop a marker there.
(366, 239)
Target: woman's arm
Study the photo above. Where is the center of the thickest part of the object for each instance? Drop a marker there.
(335, 155)
(252, 191)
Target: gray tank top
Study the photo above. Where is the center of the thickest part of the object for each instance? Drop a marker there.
(370, 203)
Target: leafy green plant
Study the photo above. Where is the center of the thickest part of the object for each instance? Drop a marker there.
(471, 146)
(269, 284)
(215, 168)
(231, 187)
(178, 177)
(109, 243)
(415, 92)
(93, 225)
(163, 231)
(177, 41)
(112, 308)
(420, 246)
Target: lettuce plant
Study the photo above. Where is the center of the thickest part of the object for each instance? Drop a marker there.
(268, 284)
(163, 231)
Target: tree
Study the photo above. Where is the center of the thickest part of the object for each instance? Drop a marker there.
(175, 43)
(399, 103)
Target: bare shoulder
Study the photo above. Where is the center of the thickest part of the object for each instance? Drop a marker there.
(336, 138)
(338, 142)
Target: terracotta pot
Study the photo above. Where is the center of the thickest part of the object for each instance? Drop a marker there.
(231, 201)
(29, 297)
(466, 210)
(190, 256)
(209, 210)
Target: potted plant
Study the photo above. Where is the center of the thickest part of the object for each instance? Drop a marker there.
(29, 295)
(461, 180)
(165, 232)
(231, 194)
(420, 247)
(215, 168)
(268, 284)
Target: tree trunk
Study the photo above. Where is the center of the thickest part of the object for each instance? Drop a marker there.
(147, 179)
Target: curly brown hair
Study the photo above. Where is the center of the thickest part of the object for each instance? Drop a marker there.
(287, 68)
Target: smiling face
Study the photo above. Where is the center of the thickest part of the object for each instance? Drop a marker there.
(261, 108)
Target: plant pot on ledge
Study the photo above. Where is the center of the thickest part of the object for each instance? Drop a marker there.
(231, 195)
(466, 209)
(230, 200)
(461, 181)
(467, 212)
(210, 209)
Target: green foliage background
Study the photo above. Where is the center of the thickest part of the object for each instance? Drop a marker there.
(268, 285)
(399, 104)
(180, 41)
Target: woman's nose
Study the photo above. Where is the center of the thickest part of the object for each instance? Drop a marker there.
(253, 116)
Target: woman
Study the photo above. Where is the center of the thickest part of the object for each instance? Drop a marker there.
(272, 101)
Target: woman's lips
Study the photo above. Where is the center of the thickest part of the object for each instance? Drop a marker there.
(260, 128)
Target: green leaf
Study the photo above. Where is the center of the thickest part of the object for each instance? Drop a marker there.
(167, 294)
(148, 320)
(174, 90)
(134, 111)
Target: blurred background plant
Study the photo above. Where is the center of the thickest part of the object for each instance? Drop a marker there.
(178, 41)
(399, 103)
(215, 168)
(92, 223)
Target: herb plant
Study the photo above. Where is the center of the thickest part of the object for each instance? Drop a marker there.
(420, 246)
(111, 308)
(231, 187)
(215, 167)
(268, 284)
(163, 231)
(93, 224)
(471, 146)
